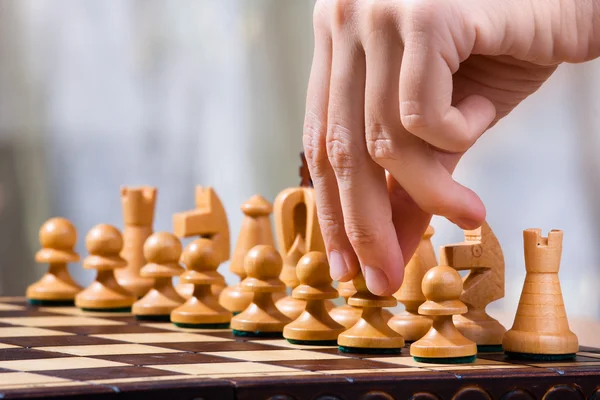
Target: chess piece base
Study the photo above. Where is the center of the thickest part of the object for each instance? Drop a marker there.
(410, 325)
(543, 344)
(291, 307)
(370, 332)
(345, 315)
(443, 342)
(201, 309)
(313, 324)
(234, 299)
(261, 316)
(55, 285)
(104, 294)
(160, 300)
(480, 328)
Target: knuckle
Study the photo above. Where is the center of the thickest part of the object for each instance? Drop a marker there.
(341, 151)
(379, 143)
(328, 223)
(361, 236)
(342, 12)
(312, 135)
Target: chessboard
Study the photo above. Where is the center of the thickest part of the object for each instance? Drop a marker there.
(64, 352)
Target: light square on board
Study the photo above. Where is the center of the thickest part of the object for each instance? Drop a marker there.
(275, 355)
(59, 321)
(74, 311)
(16, 380)
(284, 343)
(8, 346)
(51, 364)
(109, 349)
(21, 331)
(410, 362)
(228, 369)
(10, 307)
(162, 337)
(172, 327)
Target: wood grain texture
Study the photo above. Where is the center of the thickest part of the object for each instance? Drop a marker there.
(138, 205)
(131, 360)
(482, 256)
(541, 325)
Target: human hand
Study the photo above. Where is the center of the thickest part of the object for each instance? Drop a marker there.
(407, 86)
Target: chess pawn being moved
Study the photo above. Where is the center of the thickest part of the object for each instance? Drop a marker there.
(104, 243)
(57, 237)
(370, 334)
(443, 344)
(202, 310)
(541, 329)
(314, 325)
(261, 318)
(161, 251)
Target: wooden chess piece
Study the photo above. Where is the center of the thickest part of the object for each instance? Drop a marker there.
(56, 288)
(104, 243)
(443, 344)
(261, 318)
(138, 213)
(298, 232)
(409, 323)
(370, 334)
(482, 256)
(162, 251)
(314, 325)
(541, 328)
(346, 315)
(202, 310)
(255, 230)
(208, 220)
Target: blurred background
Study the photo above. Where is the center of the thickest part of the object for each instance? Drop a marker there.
(98, 94)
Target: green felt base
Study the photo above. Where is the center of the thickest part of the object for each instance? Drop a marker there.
(538, 357)
(52, 303)
(361, 350)
(236, 313)
(313, 342)
(115, 310)
(454, 360)
(155, 318)
(257, 334)
(489, 348)
(202, 326)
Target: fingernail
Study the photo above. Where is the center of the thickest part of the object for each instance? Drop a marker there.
(466, 223)
(377, 281)
(337, 266)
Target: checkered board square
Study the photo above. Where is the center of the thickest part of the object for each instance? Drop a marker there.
(60, 351)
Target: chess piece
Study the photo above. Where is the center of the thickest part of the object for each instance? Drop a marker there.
(346, 315)
(409, 323)
(370, 334)
(207, 220)
(541, 328)
(57, 237)
(162, 251)
(313, 325)
(138, 213)
(481, 255)
(443, 343)
(202, 310)
(298, 232)
(104, 243)
(255, 230)
(291, 306)
(261, 318)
